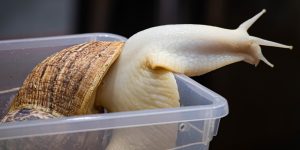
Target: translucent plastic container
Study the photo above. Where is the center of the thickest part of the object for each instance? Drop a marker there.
(191, 126)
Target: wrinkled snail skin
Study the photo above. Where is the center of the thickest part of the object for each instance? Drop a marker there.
(142, 77)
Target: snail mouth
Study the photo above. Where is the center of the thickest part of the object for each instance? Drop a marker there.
(258, 56)
(263, 58)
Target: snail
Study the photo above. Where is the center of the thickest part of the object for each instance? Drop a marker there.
(135, 75)
(150, 58)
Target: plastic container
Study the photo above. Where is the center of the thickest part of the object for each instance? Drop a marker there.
(194, 124)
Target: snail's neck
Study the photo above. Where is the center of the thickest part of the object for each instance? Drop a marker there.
(132, 85)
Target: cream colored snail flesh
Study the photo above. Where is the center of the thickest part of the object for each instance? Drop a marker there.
(79, 79)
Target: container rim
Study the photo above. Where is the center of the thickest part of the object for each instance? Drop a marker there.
(25, 43)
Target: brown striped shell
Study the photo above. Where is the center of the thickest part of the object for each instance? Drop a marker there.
(65, 83)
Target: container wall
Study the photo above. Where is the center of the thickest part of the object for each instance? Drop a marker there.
(194, 135)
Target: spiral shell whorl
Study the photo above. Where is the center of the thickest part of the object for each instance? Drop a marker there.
(65, 83)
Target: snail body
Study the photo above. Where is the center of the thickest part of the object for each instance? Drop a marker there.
(150, 58)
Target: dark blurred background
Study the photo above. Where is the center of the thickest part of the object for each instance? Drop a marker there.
(264, 102)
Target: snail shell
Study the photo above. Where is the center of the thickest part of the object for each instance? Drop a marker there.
(65, 83)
